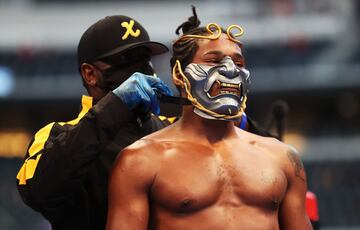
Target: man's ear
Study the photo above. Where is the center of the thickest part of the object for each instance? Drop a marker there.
(88, 73)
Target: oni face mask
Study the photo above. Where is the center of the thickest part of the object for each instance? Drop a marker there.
(221, 88)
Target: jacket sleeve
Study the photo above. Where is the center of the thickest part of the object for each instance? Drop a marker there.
(60, 153)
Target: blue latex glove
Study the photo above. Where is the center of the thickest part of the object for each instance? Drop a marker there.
(139, 91)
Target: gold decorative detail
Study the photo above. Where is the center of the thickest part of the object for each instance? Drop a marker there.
(235, 36)
(214, 31)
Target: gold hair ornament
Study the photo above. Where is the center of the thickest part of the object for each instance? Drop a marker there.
(213, 34)
(214, 31)
(233, 37)
(187, 86)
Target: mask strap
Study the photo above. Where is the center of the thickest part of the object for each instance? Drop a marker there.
(173, 100)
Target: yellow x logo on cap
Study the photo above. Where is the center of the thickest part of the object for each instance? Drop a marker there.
(129, 30)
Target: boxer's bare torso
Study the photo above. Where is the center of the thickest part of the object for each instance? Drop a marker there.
(200, 174)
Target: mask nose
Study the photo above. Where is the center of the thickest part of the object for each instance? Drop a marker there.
(229, 68)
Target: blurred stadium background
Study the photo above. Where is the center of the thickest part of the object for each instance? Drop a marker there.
(304, 52)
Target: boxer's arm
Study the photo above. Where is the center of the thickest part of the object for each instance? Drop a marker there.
(130, 183)
(292, 213)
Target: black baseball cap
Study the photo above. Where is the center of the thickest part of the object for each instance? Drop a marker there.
(114, 35)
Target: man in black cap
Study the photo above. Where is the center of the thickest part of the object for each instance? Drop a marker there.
(66, 167)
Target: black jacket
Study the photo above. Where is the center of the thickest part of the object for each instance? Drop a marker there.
(66, 168)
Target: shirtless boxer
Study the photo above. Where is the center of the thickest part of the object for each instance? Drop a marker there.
(203, 172)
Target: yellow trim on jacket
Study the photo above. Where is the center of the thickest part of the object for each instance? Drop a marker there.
(27, 170)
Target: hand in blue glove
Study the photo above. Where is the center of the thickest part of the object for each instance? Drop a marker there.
(139, 91)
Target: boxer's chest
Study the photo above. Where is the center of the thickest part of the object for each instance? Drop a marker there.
(234, 176)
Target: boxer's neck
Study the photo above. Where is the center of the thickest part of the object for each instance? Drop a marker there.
(213, 130)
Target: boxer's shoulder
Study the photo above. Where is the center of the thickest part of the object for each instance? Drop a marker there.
(286, 155)
(265, 142)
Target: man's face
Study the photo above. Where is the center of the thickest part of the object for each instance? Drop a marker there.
(217, 76)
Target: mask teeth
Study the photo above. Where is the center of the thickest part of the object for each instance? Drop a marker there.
(228, 92)
(229, 85)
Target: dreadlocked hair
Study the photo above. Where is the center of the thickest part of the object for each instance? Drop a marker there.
(192, 23)
(185, 49)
